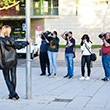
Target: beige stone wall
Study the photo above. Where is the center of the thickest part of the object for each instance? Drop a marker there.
(91, 19)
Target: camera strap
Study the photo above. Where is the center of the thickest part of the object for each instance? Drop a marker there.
(87, 48)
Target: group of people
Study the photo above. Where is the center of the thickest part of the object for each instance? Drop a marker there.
(49, 52)
(48, 55)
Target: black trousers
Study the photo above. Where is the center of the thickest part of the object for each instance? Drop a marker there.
(10, 79)
(43, 62)
(84, 60)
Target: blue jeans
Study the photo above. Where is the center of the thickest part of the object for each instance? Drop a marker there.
(69, 63)
(53, 60)
(106, 65)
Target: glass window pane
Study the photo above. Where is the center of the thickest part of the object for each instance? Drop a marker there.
(47, 3)
(55, 3)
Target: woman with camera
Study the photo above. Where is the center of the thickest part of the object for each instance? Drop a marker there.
(53, 51)
(85, 47)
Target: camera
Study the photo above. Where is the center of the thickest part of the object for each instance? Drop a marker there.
(51, 34)
(67, 34)
(102, 35)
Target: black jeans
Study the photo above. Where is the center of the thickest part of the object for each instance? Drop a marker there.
(10, 79)
(85, 59)
(43, 62)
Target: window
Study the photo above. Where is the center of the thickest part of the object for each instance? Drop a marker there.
(45, 7)
(12, 7)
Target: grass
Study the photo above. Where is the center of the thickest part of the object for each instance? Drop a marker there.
(78, 46)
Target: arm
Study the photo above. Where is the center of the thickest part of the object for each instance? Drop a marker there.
(106, 43)
(69, 42)
(63, 35)
(10, 42)
(83, 47)
(48, 38)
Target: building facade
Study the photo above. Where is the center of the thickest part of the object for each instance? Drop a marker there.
(80, 16)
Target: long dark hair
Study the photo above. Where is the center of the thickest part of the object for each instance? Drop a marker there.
(85, 36)
(55, 32)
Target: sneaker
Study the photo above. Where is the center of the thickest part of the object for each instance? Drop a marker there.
(65, 76)
(70, 77)
(106, 79)
(50, 75)
(55, 75)
(82, 78)
(87, 78)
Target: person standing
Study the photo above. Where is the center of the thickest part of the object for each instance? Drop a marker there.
(105, 50)
(10, 72)
(85, 47)
(70, 43)
(53, 51)
(44, 55)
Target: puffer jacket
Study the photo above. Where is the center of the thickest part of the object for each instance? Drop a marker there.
(8, 56)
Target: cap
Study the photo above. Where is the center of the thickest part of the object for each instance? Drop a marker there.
(84, 37)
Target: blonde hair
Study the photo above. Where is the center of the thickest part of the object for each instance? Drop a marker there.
(6, 30)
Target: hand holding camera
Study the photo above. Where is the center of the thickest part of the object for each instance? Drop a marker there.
(102, 36)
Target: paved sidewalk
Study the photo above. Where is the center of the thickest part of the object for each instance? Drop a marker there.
(59, 93)
(71, 94)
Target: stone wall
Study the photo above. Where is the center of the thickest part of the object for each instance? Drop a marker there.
(91, 19)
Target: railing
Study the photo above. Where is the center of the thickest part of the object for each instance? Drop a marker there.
(45, 11)
(13, 11)
(34, 11)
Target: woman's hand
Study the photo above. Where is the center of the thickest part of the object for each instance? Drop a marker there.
(29, 40)
(84, 40)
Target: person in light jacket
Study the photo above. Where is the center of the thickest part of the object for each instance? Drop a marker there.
(85, 43)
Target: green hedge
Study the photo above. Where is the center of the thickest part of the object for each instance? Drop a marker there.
(78, 46)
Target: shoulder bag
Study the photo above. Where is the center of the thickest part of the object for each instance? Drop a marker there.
(93, 56)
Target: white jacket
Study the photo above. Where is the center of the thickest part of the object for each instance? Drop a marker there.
(84, 49)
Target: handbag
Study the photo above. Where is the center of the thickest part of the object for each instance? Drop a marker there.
(93, 56)
(7, 56)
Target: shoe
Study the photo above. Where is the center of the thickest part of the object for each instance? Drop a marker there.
(82, 78)
(42, 74)
(87, 78)
(55, 75)
(10, 97)
(16, 96)
(106, 79)
(65, 76)
(49, 75)
(70, 77)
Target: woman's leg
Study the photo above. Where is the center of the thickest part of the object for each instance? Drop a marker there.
(50, 60)
(8, 82)
(55, 55)
(88, 65)
(83, 65)
(13, 77)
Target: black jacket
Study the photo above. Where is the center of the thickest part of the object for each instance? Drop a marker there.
(8, 56)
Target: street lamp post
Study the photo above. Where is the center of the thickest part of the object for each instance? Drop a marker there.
(28, 60)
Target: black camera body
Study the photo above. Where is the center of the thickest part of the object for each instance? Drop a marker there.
(66, 35)
(102, 35)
